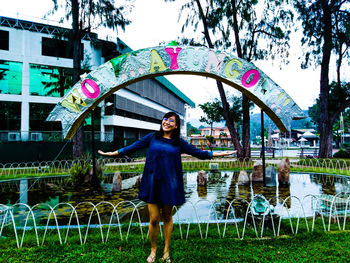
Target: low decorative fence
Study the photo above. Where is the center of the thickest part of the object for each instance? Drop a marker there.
(33, 169)
(260, 217)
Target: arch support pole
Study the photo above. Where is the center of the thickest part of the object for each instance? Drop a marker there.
(263, 147)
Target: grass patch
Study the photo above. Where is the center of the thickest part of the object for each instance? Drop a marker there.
(328, 166)
(317, 246)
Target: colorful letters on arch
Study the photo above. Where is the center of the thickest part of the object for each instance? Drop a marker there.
(165, 60)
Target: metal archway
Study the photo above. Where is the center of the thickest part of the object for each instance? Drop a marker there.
(166, 60)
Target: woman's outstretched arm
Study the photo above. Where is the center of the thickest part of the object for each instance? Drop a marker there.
(192, 150)
(224, 153)
(115, 153)
(140, 144)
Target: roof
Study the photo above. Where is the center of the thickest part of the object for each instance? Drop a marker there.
(309, 135)
(124, 48)
(303, 130)
(39, 27)
(214, 128)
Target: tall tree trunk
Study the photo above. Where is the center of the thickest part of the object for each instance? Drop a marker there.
(225, 104)
(229, 121)
(245, 100)
(325, 125)
(78, 139)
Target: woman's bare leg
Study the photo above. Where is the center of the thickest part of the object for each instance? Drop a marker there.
(154, 218)
(168, 228)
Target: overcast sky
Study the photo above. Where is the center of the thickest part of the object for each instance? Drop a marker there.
(154, 22)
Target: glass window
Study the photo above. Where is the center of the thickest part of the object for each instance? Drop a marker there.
(4, 40)
(10, 77)
(97, 120)
(49, 81)
(10, 116)
(38, 113)
(58, 48)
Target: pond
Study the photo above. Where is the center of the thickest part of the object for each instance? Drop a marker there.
(204, 204)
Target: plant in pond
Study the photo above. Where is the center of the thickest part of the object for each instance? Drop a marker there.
(78, 173)
(216, 178)
(82, 174)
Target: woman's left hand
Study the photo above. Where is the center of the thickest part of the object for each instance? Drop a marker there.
(224, 153)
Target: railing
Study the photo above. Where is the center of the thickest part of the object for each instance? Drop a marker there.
(328, 213)
(48, 136)
(302, 152)
(18, 170)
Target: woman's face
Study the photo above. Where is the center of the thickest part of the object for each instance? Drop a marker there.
(169, 124)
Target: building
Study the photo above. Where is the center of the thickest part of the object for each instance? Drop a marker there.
(295, 138)
(36, 70)
(221, 136)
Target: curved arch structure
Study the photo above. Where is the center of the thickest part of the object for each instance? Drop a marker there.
(165, 60)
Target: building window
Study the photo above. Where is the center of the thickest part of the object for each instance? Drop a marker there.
(58, 48)
(132, 115)
(4, 40)
(10, 77)
(205, 132)
(97, 120)
(10, 116)
(49, 81)
(38, 113)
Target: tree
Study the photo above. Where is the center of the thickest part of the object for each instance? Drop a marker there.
(191, 129)
(194, 18)
(212, 112)
(326, 31)
(88, 15)
(337, 99)
(223, 18)
(216, 112)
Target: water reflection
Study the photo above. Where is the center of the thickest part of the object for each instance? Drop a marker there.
(222, 188)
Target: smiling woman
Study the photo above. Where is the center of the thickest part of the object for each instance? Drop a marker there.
(162, 184)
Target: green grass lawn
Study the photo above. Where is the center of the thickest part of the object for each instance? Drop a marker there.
(317, 246)
(340, 166)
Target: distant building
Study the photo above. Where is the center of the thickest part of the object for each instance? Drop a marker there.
(296, 137)
(35, 65)
(221, 135)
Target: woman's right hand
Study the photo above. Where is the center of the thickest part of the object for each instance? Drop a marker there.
(107, 153)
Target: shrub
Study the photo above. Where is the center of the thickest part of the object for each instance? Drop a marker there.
(78, 172)
(210, 138)
(342, 154)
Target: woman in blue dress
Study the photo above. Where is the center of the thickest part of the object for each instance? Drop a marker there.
(162, 184)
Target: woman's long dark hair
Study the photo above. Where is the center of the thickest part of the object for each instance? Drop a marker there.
(176, 132)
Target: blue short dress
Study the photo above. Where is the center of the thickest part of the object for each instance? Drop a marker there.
(162, 179)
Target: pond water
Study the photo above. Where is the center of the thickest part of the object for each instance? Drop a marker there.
(203, 203)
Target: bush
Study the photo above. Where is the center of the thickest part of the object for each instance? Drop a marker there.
(342, 154)
(210, 138)
(78, 172)
(82, 173)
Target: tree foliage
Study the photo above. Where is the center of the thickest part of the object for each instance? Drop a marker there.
(337, 97)
(326, 32)
(313, 14)
(256, 36)
(191, 129)
(212, 113)
(94, 14)
(88, 15)
(260, 29)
